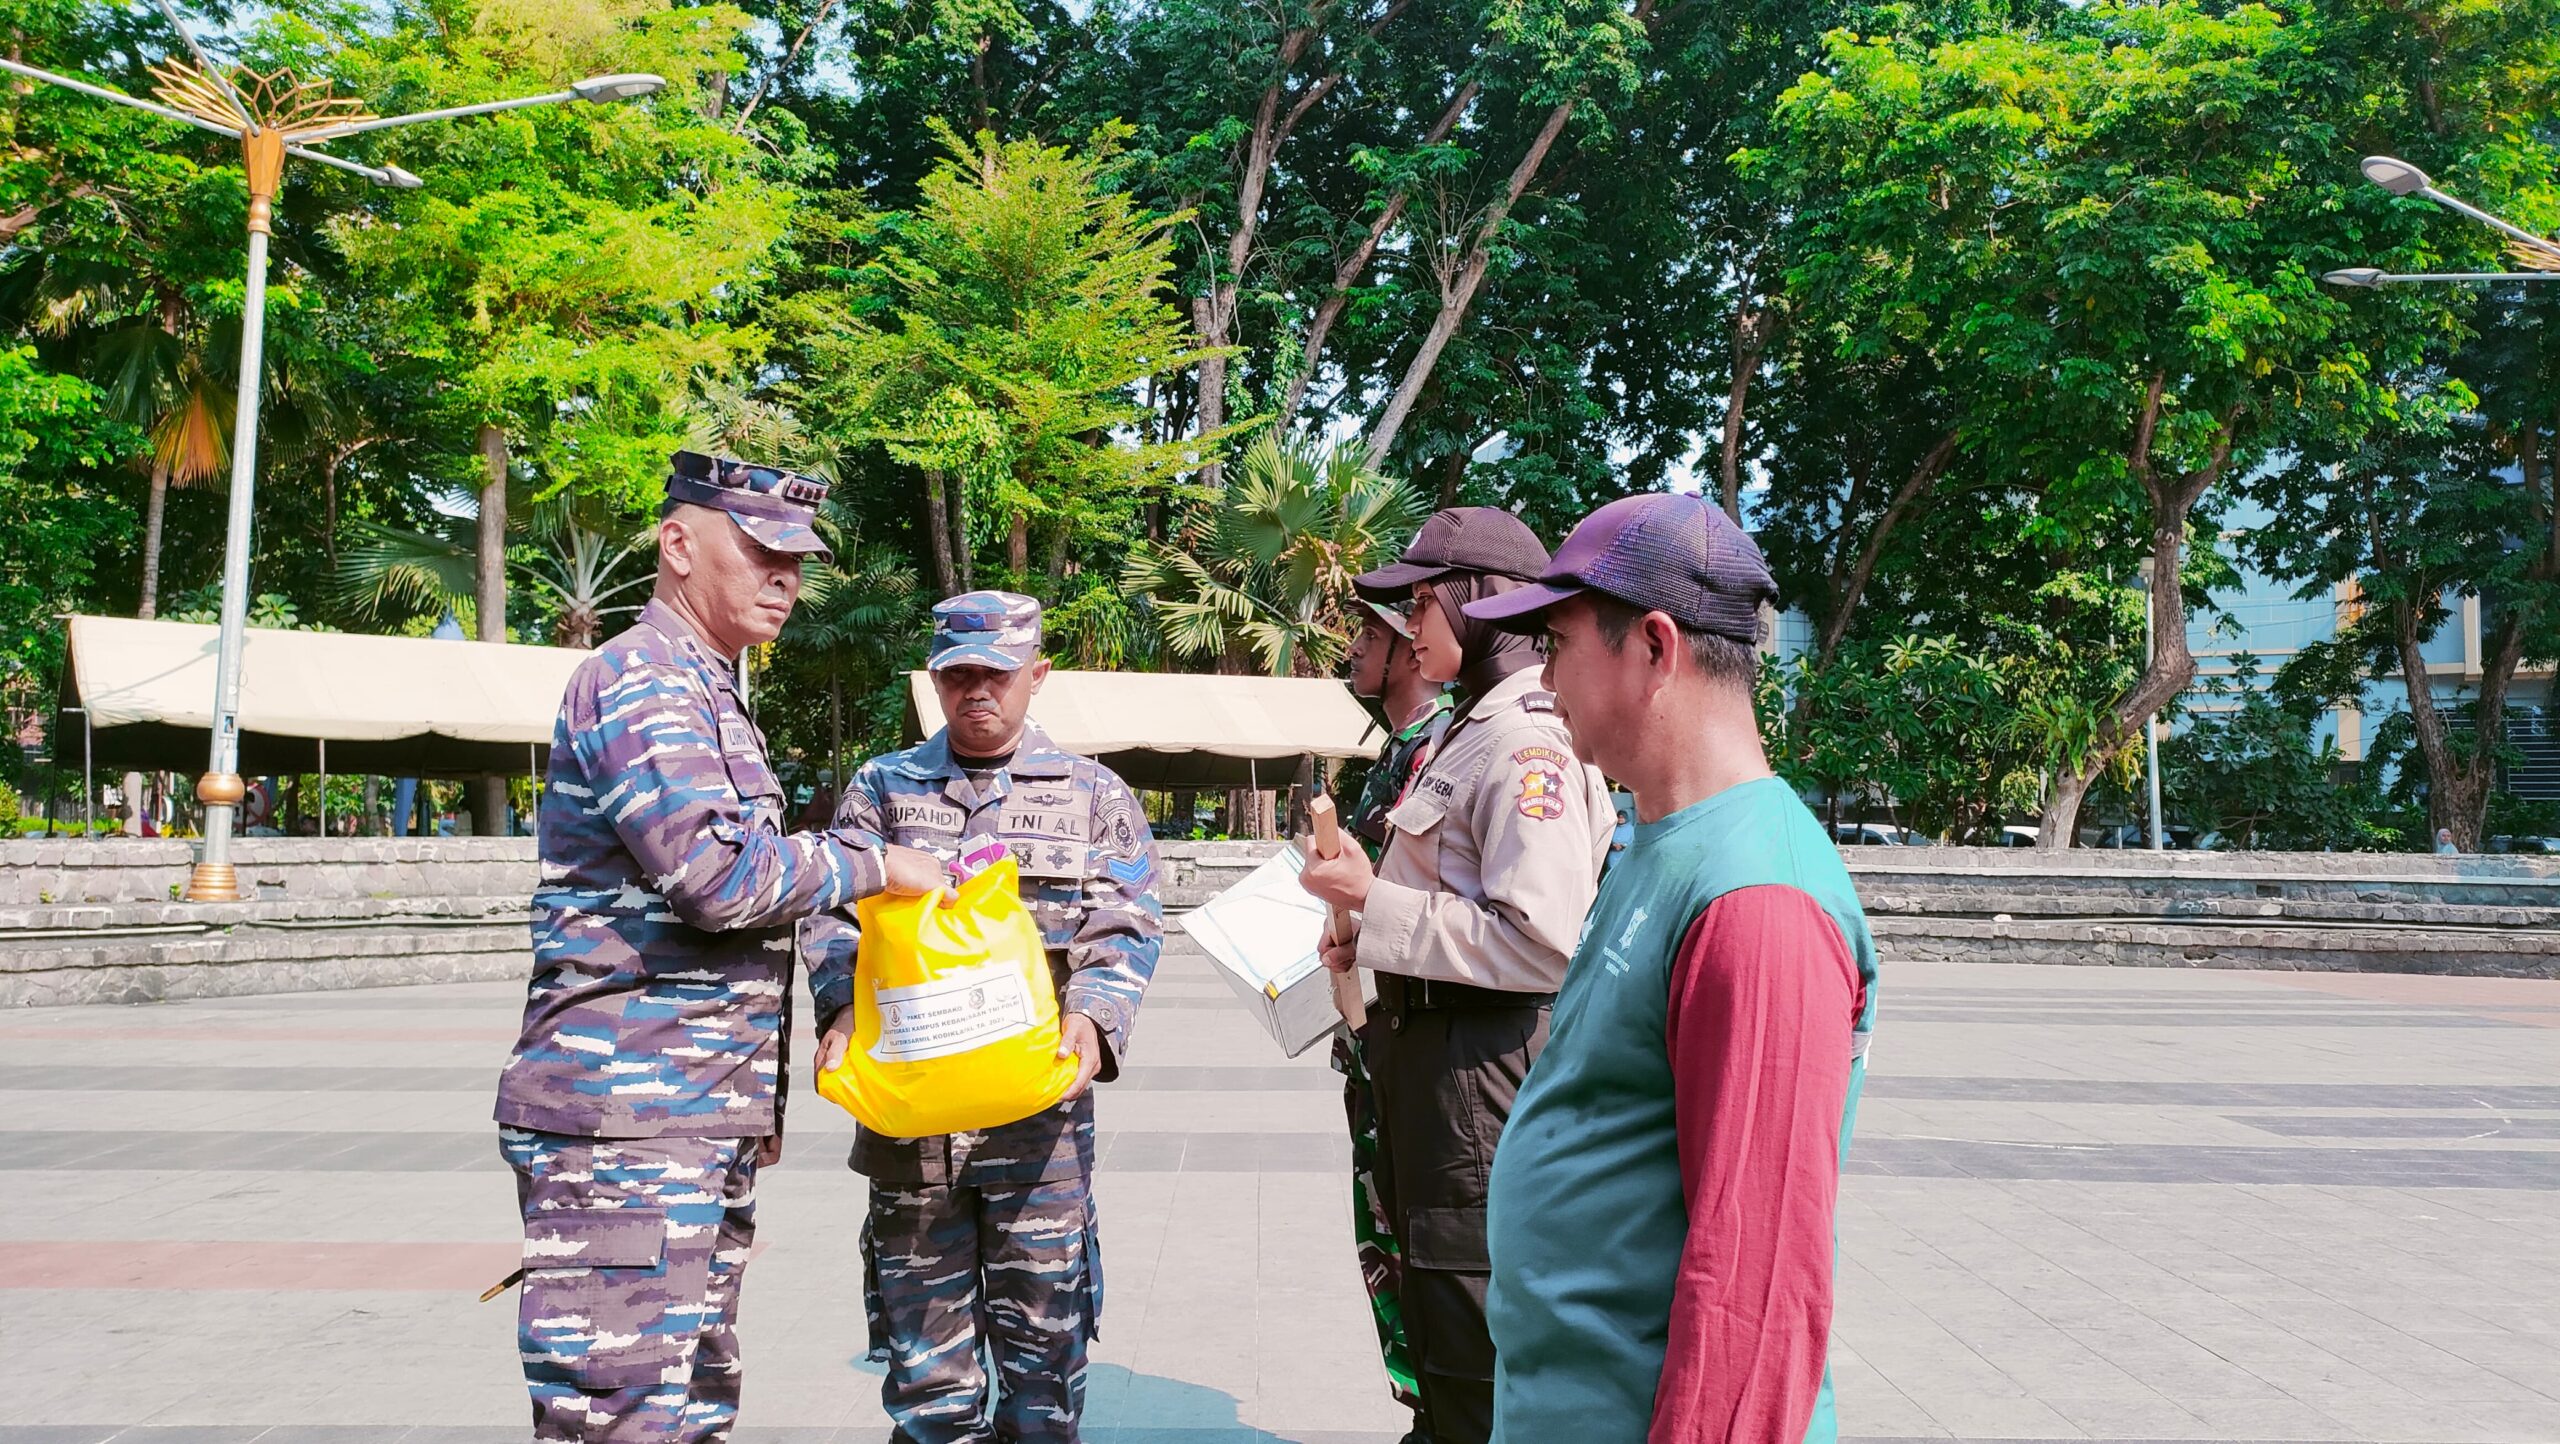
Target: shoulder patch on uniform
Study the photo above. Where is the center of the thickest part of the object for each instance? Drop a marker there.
(1542, 774)
(1119, 821)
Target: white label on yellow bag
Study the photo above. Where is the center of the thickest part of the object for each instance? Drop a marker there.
(952, 1014)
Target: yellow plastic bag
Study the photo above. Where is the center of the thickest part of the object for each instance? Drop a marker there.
(955, 1016)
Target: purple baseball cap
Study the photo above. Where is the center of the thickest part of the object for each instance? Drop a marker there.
(778, 508)
(1661, 552)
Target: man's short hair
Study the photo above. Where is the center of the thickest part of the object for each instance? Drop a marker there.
(1719, 658)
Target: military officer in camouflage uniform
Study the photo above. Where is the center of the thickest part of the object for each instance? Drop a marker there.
(645, 1088)
(979, 1242)
(1383, 671)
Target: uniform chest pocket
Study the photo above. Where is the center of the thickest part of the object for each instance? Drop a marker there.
(758, 789)
(1419, 813)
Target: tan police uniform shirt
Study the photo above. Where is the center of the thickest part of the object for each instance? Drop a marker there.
(1494, 856)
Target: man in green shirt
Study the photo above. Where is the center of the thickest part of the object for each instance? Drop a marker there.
(1661, 1215)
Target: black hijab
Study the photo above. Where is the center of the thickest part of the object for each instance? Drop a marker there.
(1492, 654)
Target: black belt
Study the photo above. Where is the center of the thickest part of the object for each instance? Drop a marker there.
(1400, 994)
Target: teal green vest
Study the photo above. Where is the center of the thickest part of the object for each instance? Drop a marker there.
(1587, 1221)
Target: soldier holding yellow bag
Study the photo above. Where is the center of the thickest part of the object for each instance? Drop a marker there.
(997, 1226)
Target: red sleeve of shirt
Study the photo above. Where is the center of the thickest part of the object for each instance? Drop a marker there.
(1764, 996)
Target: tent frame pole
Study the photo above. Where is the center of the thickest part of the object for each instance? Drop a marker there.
(88, 783)
(324, 787)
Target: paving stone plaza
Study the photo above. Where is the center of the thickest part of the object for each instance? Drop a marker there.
(2085, 1203)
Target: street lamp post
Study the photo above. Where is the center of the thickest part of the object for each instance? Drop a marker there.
(2151, 724)
(2403, 179)
(272, 117)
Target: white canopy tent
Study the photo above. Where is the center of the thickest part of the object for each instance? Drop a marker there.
(140, 694)
(1175, 729)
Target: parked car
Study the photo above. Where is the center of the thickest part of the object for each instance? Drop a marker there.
(1875, 834)
(2017, 837)
(2177, 836)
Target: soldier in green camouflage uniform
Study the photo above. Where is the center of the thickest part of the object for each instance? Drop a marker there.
(1382, 671)
(984, 1241)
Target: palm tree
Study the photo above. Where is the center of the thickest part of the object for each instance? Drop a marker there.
(190, 446)
(857, 613)
(581, 566)
(730, 422)
(579, 574)
(1265, 567)
(384, 570)
(157, 355)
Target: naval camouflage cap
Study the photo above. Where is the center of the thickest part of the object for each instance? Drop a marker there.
(985, 629)
(778, 508)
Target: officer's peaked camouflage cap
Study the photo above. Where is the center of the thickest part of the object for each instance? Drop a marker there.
(776, 507)
(985, 629)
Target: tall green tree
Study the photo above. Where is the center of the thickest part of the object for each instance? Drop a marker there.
(992, 340)
(568, 270)
(54, 431)
(2132, 201)
(2449, 491)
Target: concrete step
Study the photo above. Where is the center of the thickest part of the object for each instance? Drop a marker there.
(18, 924)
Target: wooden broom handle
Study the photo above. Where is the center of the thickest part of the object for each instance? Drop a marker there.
(1328, 843)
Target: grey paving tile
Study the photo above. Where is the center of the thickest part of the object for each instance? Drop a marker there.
(2391, 1272)
(1288, 1078)
(1291, 1078)
(2107, 1018)
(1267, 1153)
(2383, 1125)
(2175, 1164)
(2211, 1094)
(1140, 1152)
(26, 1078)
(1186, 1434)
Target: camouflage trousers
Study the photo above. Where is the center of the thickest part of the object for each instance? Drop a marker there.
(635, 1249)
(1373, 1233)
(955, 1273)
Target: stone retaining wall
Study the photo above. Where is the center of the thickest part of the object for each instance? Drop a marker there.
(2464, 952)
(245, 960)
(60, 871)
(97, 921)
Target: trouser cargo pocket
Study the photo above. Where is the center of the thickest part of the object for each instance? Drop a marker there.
(600, 1310)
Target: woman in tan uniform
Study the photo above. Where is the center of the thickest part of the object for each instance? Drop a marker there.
(1468, 919)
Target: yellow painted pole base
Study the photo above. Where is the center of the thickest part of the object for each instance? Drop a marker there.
(213, 882)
